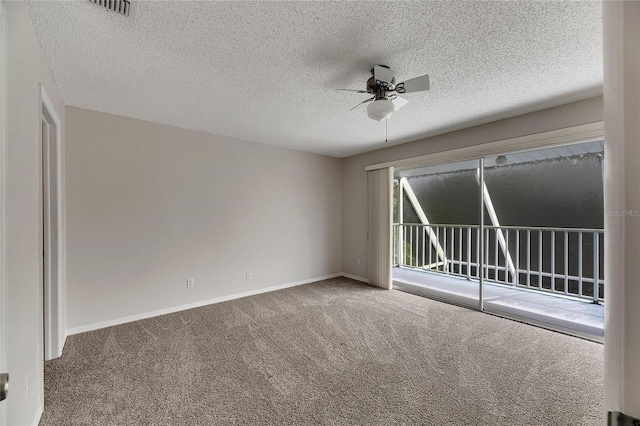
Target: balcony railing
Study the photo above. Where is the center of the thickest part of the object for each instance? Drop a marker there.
(566, 261)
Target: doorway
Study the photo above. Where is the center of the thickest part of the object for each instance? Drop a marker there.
(517, 235)
(50, 167)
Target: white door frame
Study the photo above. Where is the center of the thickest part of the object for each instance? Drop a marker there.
(50, 153)
(3, 204)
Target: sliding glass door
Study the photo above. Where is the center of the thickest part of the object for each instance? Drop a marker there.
(544, 237)
(519, 235)
(437, 233)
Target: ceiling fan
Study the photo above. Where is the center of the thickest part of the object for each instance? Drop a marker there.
(385, 100)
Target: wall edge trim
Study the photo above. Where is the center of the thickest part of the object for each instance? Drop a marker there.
(38, 415)
(174, 309)
(355, 277)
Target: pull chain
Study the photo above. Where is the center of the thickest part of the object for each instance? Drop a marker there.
(386, 130)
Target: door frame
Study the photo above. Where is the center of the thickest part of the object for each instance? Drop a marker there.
(3, 204)
(560, 137)
(551, 138)
(52, 291)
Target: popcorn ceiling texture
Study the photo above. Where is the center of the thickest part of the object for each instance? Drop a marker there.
(266, 71)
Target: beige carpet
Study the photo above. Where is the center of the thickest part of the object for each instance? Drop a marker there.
(332, 352)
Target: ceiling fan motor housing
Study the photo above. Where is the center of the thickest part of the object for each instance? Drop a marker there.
(385, 100)
(379, 90)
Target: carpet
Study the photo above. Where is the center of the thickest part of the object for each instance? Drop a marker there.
(333, 352)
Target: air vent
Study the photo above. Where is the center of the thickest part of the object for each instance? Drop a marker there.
(122, 7)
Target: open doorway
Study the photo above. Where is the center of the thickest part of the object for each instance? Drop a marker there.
(50, 166)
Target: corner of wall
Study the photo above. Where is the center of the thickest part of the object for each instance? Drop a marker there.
(26, 69)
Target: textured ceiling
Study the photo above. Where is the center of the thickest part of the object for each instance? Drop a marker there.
(266, 71)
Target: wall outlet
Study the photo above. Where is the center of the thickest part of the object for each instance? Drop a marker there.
(189, 282)
(27, 385)
(249, 276)
(358, 262)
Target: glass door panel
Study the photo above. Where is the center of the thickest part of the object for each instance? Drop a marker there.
(437, 232)
(544, 237)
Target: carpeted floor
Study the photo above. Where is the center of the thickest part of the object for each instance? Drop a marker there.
(332, 352)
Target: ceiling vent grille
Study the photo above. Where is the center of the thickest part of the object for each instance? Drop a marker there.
(122, 7)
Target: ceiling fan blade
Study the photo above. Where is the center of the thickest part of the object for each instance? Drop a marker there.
(418, 84)
(363, 102)
(398, 102)
(352, 90)
(383, 74)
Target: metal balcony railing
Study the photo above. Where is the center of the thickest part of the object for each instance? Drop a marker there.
(565, 261)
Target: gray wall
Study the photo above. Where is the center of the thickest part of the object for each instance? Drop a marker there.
(26, 68)
(354, 179)
(150, 205)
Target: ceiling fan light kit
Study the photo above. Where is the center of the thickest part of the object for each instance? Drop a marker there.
(385, 100)
(380, 109)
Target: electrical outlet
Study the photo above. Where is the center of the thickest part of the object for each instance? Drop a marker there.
(189, 282)
(249, 276)
(358, 262)
(27, 385)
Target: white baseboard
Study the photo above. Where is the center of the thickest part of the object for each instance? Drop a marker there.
(355, 277)
(36, 419)
(118, 321)
(61, 345)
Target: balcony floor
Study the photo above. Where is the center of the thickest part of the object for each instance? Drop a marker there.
(574, 316)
